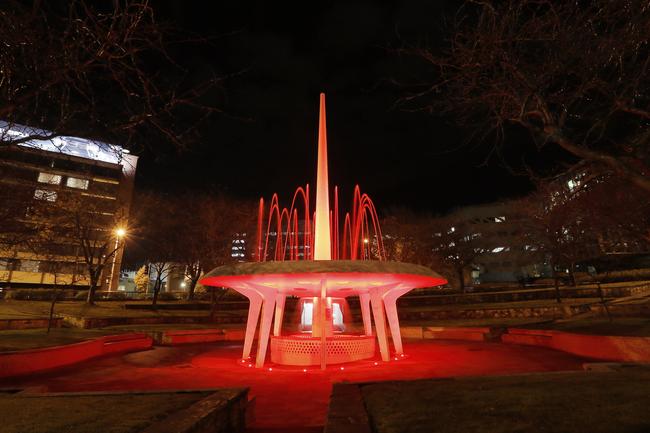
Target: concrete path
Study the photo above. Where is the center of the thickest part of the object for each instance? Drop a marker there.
(291, 400)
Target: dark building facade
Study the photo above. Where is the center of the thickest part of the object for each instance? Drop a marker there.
(36, 174)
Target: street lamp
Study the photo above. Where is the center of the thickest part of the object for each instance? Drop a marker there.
(120, 232)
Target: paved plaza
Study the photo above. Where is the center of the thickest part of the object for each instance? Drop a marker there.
(287, 397)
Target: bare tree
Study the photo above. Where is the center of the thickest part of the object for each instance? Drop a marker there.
(409, 237)
(618, 213)
(59, 272)
(572, 74)
(560, 228)
(438, 242)
(455, 247)
(15, 204)
(83, 222)
(195, 231)
(103, 71)
(159, 239)
(214, 220)
(161, 269)
(71, 229)
(98, 245)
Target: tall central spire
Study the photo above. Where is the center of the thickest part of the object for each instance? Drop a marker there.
(322, 236)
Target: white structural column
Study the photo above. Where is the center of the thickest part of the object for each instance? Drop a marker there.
(323, 320)
(390, 304)
(265, 329)
(279, 314)
(253, 316)
(380, 322)
(364, 301)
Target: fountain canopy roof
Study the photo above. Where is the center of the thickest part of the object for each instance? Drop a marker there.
(303, 277)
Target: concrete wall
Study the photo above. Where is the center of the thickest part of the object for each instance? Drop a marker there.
(38, 360)
(602, 347)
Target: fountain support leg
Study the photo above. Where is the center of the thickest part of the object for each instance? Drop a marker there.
(323, 320)
(364, 301)
(390, 304)
(279, 314)
(265, 329)
(255, 300)
(380, 323)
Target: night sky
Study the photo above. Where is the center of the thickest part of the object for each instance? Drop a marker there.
(280, 58)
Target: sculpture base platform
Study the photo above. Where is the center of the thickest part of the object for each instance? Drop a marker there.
(303, 349)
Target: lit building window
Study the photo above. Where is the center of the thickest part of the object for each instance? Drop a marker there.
(573, 184)
(29, 265)
(43, 194)
(74, 182)
(52, 179)
(499, 219)
(10, 265)
(498, 249)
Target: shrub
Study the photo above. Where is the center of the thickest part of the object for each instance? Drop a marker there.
(167, 296)
(624, 275)
(114, 296)
(141, 280)
(202, 296)
(38, 294)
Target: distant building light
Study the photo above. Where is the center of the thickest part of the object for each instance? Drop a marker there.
(45, 195)
(52, 179)
(74, 182)
(572, 184)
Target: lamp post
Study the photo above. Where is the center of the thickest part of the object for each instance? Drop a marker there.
(119, 233)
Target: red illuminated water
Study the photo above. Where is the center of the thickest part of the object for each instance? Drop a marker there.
(359, 238)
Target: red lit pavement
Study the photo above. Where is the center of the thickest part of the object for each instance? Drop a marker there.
(290, 398)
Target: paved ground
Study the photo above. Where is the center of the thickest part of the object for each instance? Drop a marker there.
(290, 399)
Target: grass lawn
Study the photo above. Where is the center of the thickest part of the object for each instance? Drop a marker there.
(126, 413)
(171, 326)
(630, 326)
(499, 322)
(499, 305)
(23, 339)
(622, 326)
(13, 309)
(550, 402)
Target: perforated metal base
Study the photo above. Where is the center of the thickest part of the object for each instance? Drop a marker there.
(299, 349)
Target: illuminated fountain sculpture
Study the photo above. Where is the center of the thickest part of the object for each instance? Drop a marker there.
(313, 265)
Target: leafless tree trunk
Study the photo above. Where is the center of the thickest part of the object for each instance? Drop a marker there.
(556, 282)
